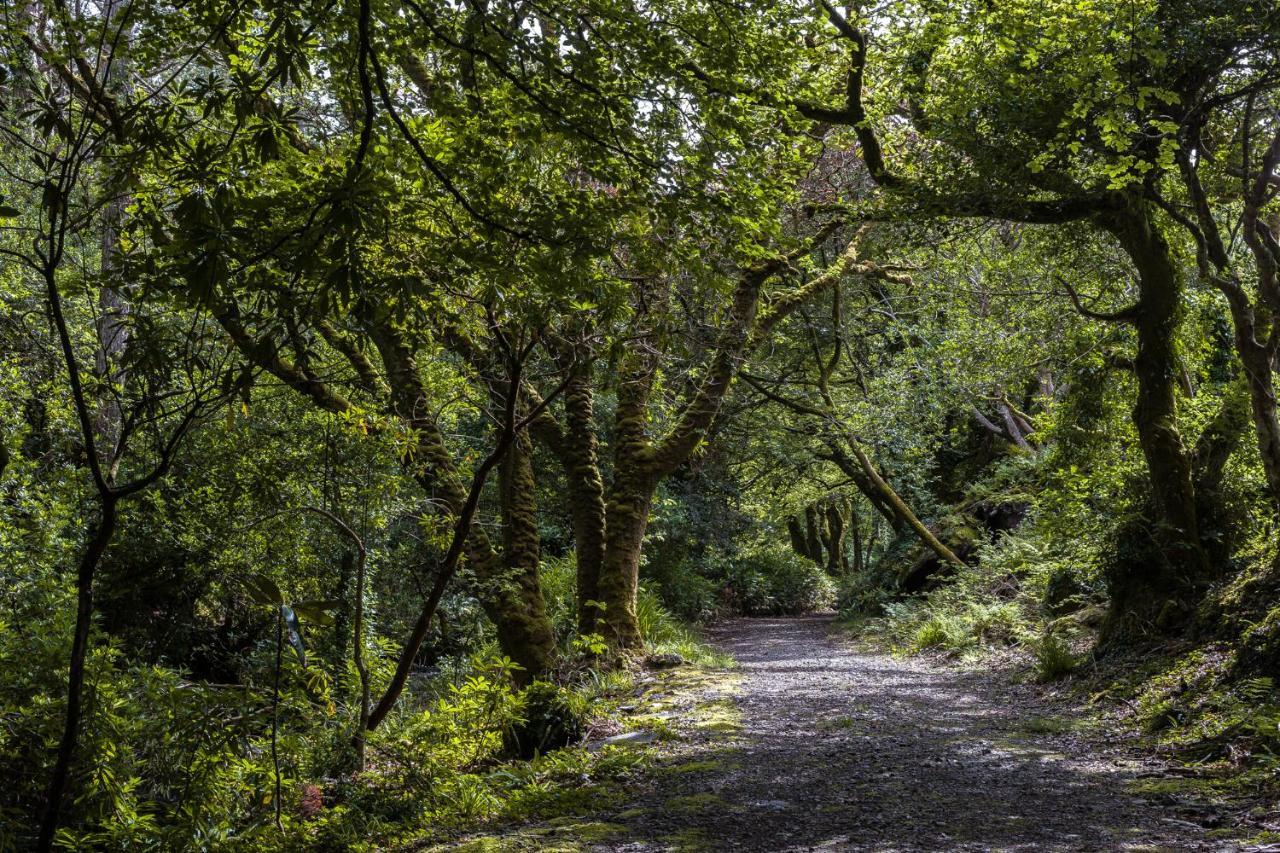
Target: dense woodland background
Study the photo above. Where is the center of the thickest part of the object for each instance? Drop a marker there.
(379, 381)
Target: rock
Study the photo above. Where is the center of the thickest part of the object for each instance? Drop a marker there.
(666, 660)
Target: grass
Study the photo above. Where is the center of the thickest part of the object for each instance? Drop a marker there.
(1053, 657)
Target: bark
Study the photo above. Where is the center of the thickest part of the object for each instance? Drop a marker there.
(1257, 338)
(795, 531)
(630, 500)
(1213, 450)
(522, 628)
(586, 494)
(577, 450)
(862, 471)
(1014, 426)
(901, 509)
(113, 307)
(1258, 361)
(837, 563)
(99, 538)
(852, 469)
(635, 477)
(639, 465)
(524, 624)
(1145, 593)
(813, 533)
(855, 529)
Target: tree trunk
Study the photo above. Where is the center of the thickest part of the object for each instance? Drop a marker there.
(837, 564)
(1158, 591)
(1257, 358)
(630, 500)
(855, 528)
(1220, 438)
(813, 533)
(900, 507)
(523, 625)
(854, 470)
(795, 531)
(586, 494)
(99, 538)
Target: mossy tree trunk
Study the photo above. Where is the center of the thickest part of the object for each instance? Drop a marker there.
(813, 533)
(1153, 592)
(640, 462)
(397, 385)
(837, 562)
(525, 632)
(796, 533)
(522, 628)
(579, 454)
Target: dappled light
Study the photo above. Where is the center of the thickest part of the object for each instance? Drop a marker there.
(639, 425)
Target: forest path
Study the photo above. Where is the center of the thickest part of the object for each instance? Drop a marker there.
(840, 748)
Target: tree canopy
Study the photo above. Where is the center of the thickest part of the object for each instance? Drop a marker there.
(369, 367)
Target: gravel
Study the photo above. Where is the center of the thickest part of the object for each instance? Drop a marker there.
(845, 749)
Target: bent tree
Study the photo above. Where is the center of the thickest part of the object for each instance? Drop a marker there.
(1088, 137)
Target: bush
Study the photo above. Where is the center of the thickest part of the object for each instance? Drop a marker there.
(547, 720)
(1054, 658)
(771, 580)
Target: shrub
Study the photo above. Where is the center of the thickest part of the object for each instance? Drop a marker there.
(1054, 658)
(770, 580)
(547, 720)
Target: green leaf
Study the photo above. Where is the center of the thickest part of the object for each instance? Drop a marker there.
(294, 631)
(317, 611)
(263, 590)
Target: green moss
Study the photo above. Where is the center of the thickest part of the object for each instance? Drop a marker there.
(706, 765)
(688, 841)
(720, 716)
(485, 844)
(695, 803)
(592, 832)
(632, 814)
(1048, 725)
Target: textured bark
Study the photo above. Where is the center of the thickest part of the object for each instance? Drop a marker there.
(837, 562)
(1147, 593)
(813, 533)
(577, 450)
(522, 626)
(586, 493)
(630, 500)
(635, 477)
(901, 509)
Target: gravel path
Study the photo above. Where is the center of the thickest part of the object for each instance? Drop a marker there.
(844, 749)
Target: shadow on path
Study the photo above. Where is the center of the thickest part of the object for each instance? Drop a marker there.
(843, 749)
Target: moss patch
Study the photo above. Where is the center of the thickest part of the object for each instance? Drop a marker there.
(695, 803)
(688, 841)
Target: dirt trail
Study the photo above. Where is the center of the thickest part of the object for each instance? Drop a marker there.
(843, 749)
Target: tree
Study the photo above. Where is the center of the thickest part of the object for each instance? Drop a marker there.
(1087, 138)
